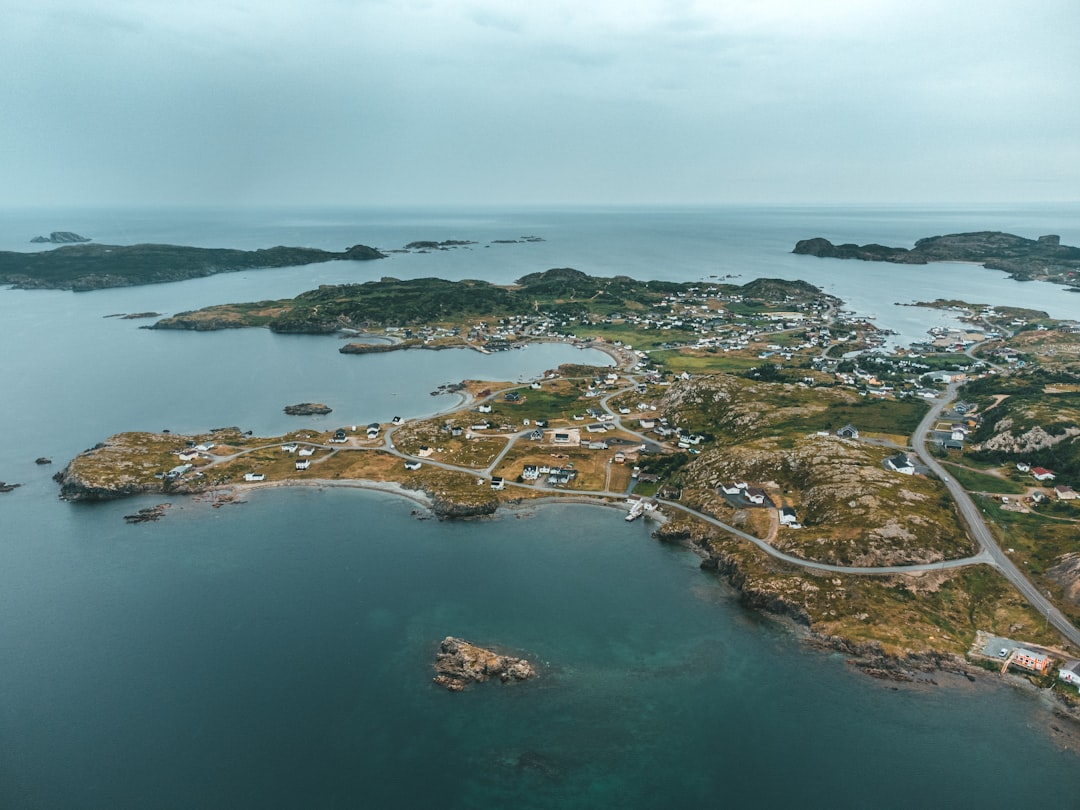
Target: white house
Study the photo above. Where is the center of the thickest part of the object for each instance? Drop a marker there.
(413, 465)
(788, 518)
(1042, 474)
(900, 463)
(1070, 672)
(307, 451)
(254, 477)
(289, 448)
(1065, 493)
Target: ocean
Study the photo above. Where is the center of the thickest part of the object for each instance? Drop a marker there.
(278, 652)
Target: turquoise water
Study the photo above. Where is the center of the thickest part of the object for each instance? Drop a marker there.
(278, 653)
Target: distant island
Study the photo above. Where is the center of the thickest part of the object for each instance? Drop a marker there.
(1043, 259)
(82, 267)
(60, 238)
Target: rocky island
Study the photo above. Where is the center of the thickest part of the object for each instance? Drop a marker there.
(459, 663)
(308, 409)
(1043, 259)
(59, 238)
(82, 267)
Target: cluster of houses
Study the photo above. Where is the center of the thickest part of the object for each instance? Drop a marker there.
(1063, 492)
(556, 476)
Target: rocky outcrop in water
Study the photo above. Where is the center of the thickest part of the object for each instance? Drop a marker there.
(308, 409)
(445, 508)
(458, 663)
(1044, 258)
(6, 487)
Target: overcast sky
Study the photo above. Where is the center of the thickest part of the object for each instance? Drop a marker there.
(375, 102)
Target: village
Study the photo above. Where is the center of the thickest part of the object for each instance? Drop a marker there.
(645, 433)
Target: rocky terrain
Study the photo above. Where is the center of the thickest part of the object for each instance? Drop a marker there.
(1044, 258)
(93, 266)
(459, 663)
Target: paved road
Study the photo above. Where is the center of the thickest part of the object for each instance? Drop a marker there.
(838, 569)
(979, 529)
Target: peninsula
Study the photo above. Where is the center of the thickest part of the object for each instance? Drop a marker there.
(82, 267)
(1044, 259)
(863, 496)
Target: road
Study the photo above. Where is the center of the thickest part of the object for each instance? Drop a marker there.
(979, 530)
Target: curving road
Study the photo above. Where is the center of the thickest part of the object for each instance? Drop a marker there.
(979, 530)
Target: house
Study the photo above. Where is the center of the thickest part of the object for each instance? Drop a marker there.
(788, 518)
(177, 471)
(646, 424)
(205, 448)
(424, 451)
(513, 396)
(900, 463)
(497, 482)
(1027, 659)
(537, 435)
(339, 437)
(598, 445)
(732, 489)
(1065, 493)
(757, 496)
(483, 408)
(1042, 474)
(848, 432)
(397, 420)
(303, 463)
(307, 451)
(188, 455)
(413, 465)
(619, 457)
(254, 477)
(1022, 467)
(560, 476)
(530, 472)
(1070, 672)
(289, 448)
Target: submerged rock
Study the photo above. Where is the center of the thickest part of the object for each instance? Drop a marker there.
(459, 662)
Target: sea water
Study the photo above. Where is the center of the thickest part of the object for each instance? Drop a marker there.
(277, 653)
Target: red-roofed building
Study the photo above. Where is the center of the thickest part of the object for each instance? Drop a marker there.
(1042, 474)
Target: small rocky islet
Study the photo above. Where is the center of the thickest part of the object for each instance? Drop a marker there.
(459, 663)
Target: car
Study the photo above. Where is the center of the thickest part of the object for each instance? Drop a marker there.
(1003, 653)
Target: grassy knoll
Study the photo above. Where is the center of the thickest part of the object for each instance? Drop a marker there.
(554, 400)
(981, 482)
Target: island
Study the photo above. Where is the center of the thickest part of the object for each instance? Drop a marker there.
(1024, 259)
(82, 267)
(864, 496)
(459, 663)
(60, 238)
(308, 409)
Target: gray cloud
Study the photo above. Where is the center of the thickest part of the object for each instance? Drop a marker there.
(506, 101)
